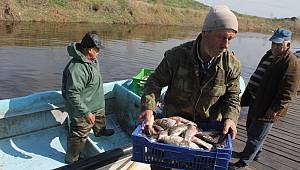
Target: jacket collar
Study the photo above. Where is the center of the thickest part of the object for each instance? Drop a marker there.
(74, 51)
(194, 49)
(195, 55)
(287, 54)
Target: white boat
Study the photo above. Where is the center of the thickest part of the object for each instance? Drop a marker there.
(33, 130)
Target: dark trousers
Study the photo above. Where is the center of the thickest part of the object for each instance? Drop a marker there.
(78, 134)
(257, 132)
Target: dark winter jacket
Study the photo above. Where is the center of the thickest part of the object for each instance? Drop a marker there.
(210, 96)
(277, 88)
(82, 86)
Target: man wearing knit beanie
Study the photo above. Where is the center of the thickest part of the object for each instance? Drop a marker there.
(202, 77)
(220, 17)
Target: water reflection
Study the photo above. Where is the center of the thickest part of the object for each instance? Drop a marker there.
(37, 34)
(33, 55)
(250, 47)
(9, 27)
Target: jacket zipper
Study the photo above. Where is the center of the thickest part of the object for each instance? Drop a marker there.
(194, 113)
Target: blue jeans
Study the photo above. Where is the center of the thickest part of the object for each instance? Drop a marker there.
(257, 132)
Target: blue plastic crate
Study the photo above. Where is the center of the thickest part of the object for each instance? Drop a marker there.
(171, 156)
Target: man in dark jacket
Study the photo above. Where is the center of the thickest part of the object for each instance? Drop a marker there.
(268, 93)
(202, 76)
(82, 89)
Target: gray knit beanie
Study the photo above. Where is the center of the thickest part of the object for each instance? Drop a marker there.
(220, 17)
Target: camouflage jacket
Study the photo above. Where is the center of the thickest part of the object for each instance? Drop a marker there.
(212, 96)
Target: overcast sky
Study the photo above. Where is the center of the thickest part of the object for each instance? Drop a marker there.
(261, 8)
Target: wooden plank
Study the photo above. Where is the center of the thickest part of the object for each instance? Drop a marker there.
(282, 125)
(287, 127)
(284, 147)
(126, 164)
(281, 148)
(268, 160)
(272, 161)
(293, 110)
(291, 120)
(279, 145)
(276, 135)
(286, 132)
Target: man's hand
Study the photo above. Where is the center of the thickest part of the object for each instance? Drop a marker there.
(270, 114)
(91, 118)
(148, 118)
(230, 125)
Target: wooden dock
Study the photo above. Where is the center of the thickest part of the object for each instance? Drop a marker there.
(281, 149)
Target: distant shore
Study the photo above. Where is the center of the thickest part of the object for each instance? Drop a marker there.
(130, 12)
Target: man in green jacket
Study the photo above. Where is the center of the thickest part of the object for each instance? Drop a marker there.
(202, 76)
(82, 89)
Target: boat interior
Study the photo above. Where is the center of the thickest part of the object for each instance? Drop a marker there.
(34, 128)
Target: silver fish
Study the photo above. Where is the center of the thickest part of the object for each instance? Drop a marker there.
(182, 120)
(190, 132)
(157, 128)
(213, 136)
(189, 144)
(177, 130)
(162, 135)
(173, 140)
(165, 123)
(202, 143)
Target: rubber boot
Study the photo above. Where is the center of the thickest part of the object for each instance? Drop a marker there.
(73, 149)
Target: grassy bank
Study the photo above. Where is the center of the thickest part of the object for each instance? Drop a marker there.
(148, 12)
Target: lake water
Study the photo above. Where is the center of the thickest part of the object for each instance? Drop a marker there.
(33, 55)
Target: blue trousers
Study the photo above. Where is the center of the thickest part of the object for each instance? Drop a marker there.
(257, 132)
